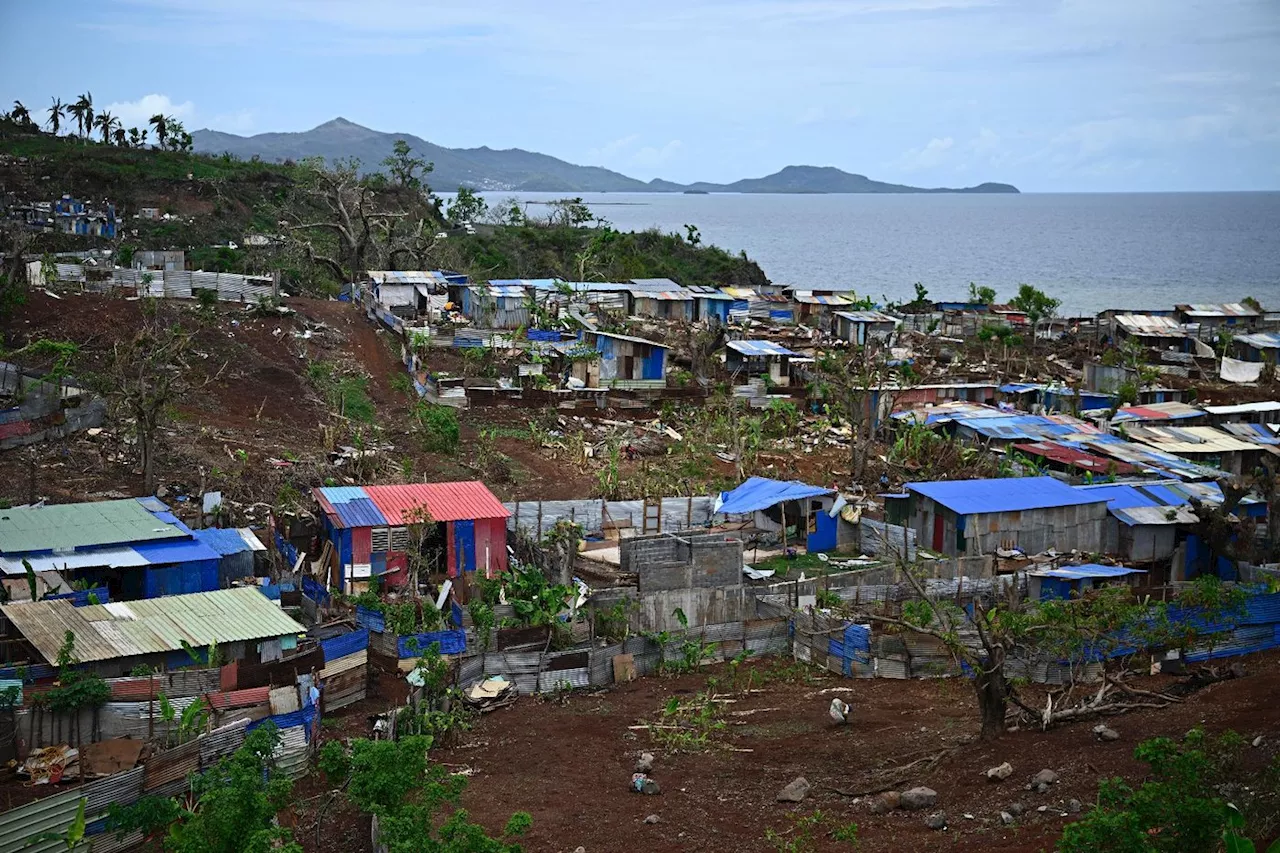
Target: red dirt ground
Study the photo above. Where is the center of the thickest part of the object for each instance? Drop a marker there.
(568, 763)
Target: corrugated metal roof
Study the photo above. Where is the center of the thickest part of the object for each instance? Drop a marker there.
(445, 501)
(656, 284)
(867, 317)
(1261, 340)
(408, 277)
(1189, 439)
(152, 626)
(1150, 326)
(1257, 433)
(1078, 458)
(1157, 412)
(348, 506)
(966, 497)
(1229, 309)
(759, 348)
(808, 297)
(536, 283)
(1142, 456)
(499, 290)
(91, 558)
(1120, 496)
(702, 291)
(175, 551)
(1245, 408)
(64, 527)
(1159, 515)
(663, 295)
(222, 541)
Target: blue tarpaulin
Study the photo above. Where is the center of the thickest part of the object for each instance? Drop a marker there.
(80, 597)
(760, 493)
(451, 643)
(345, 644)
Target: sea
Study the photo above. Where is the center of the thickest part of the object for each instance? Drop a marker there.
(1093, 251)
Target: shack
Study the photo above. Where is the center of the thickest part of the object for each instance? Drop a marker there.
(408, 293)
(1205, 445)
(1031, 514)
(1142, 527)
(661, 299)
(792, 510)
(862, 327)
(710, 304)
(1150, 330)
(1258, 346)
(496, 305)
(623, 361)
(135, 548)
(760, 305)
(113, 639)
(746, 359)
(1232, 315)
(1074, 581)
(815, 309)
(458, 528)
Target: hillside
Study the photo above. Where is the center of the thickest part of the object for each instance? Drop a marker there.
(211, 202)
(518, 170)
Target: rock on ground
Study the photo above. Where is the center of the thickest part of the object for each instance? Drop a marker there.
(886, 802)
(653, 818)
(1106, 733)
(937, 820)
(1006, 818)
(795, 792)
(1016, 809)
(1044, 777)
(644, 764)
(999, 774)
(918, 798)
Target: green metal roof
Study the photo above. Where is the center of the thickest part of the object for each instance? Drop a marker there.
(153, 626)
(65, 527)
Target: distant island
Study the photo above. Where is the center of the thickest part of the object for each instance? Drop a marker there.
(515, 170)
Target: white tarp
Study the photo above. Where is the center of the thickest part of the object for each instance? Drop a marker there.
(1234, 370)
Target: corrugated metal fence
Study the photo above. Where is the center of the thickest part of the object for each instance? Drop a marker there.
(677, 513)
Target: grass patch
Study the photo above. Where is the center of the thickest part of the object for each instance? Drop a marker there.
(784, 566)
(347, 394)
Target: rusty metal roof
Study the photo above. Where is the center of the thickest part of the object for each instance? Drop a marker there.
(153, 626)
(1230, 309)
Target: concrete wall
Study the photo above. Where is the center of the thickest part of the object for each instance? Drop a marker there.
(683, 561)
(655, 611)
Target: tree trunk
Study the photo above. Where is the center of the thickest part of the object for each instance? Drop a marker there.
(993, 697)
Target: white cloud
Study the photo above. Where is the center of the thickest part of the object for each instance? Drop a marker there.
(136, 113)
(611, 150)
(651, 156)
(927, 156)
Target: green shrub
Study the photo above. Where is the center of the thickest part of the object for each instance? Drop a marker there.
(437, 427)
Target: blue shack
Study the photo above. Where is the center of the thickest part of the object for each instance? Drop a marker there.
(1074, 581)
(795, 511)
(624, 361)
(134, 547)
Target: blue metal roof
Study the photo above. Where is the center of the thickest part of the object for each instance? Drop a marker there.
(759, 348)
(185, 551)
(360, 513)
(1119, 496)
(1088, 570)
(760, 493)
(1019, 387)
(223, 541)
(1013, 494)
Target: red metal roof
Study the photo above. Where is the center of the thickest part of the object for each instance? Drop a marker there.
(445, 501)
(1070, 456)
(239, 698)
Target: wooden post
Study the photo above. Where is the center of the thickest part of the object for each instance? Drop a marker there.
(538, 534)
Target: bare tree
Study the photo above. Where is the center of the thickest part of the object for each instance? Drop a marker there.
(145, 375)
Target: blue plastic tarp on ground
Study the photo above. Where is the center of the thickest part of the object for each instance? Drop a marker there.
(760, 493)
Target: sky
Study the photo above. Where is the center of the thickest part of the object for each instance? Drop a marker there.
(1050, 95)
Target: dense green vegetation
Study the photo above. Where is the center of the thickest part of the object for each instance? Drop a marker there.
(391, 222)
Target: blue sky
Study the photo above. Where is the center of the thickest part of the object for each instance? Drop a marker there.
(1051, 95)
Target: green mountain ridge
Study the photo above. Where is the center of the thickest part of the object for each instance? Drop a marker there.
(517, 170)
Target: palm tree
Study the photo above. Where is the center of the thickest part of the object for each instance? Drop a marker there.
(20, 114)
(161, 124)
(135, 138)
(118, 134)
(83, 110)
(105, 122)
(55, 116)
